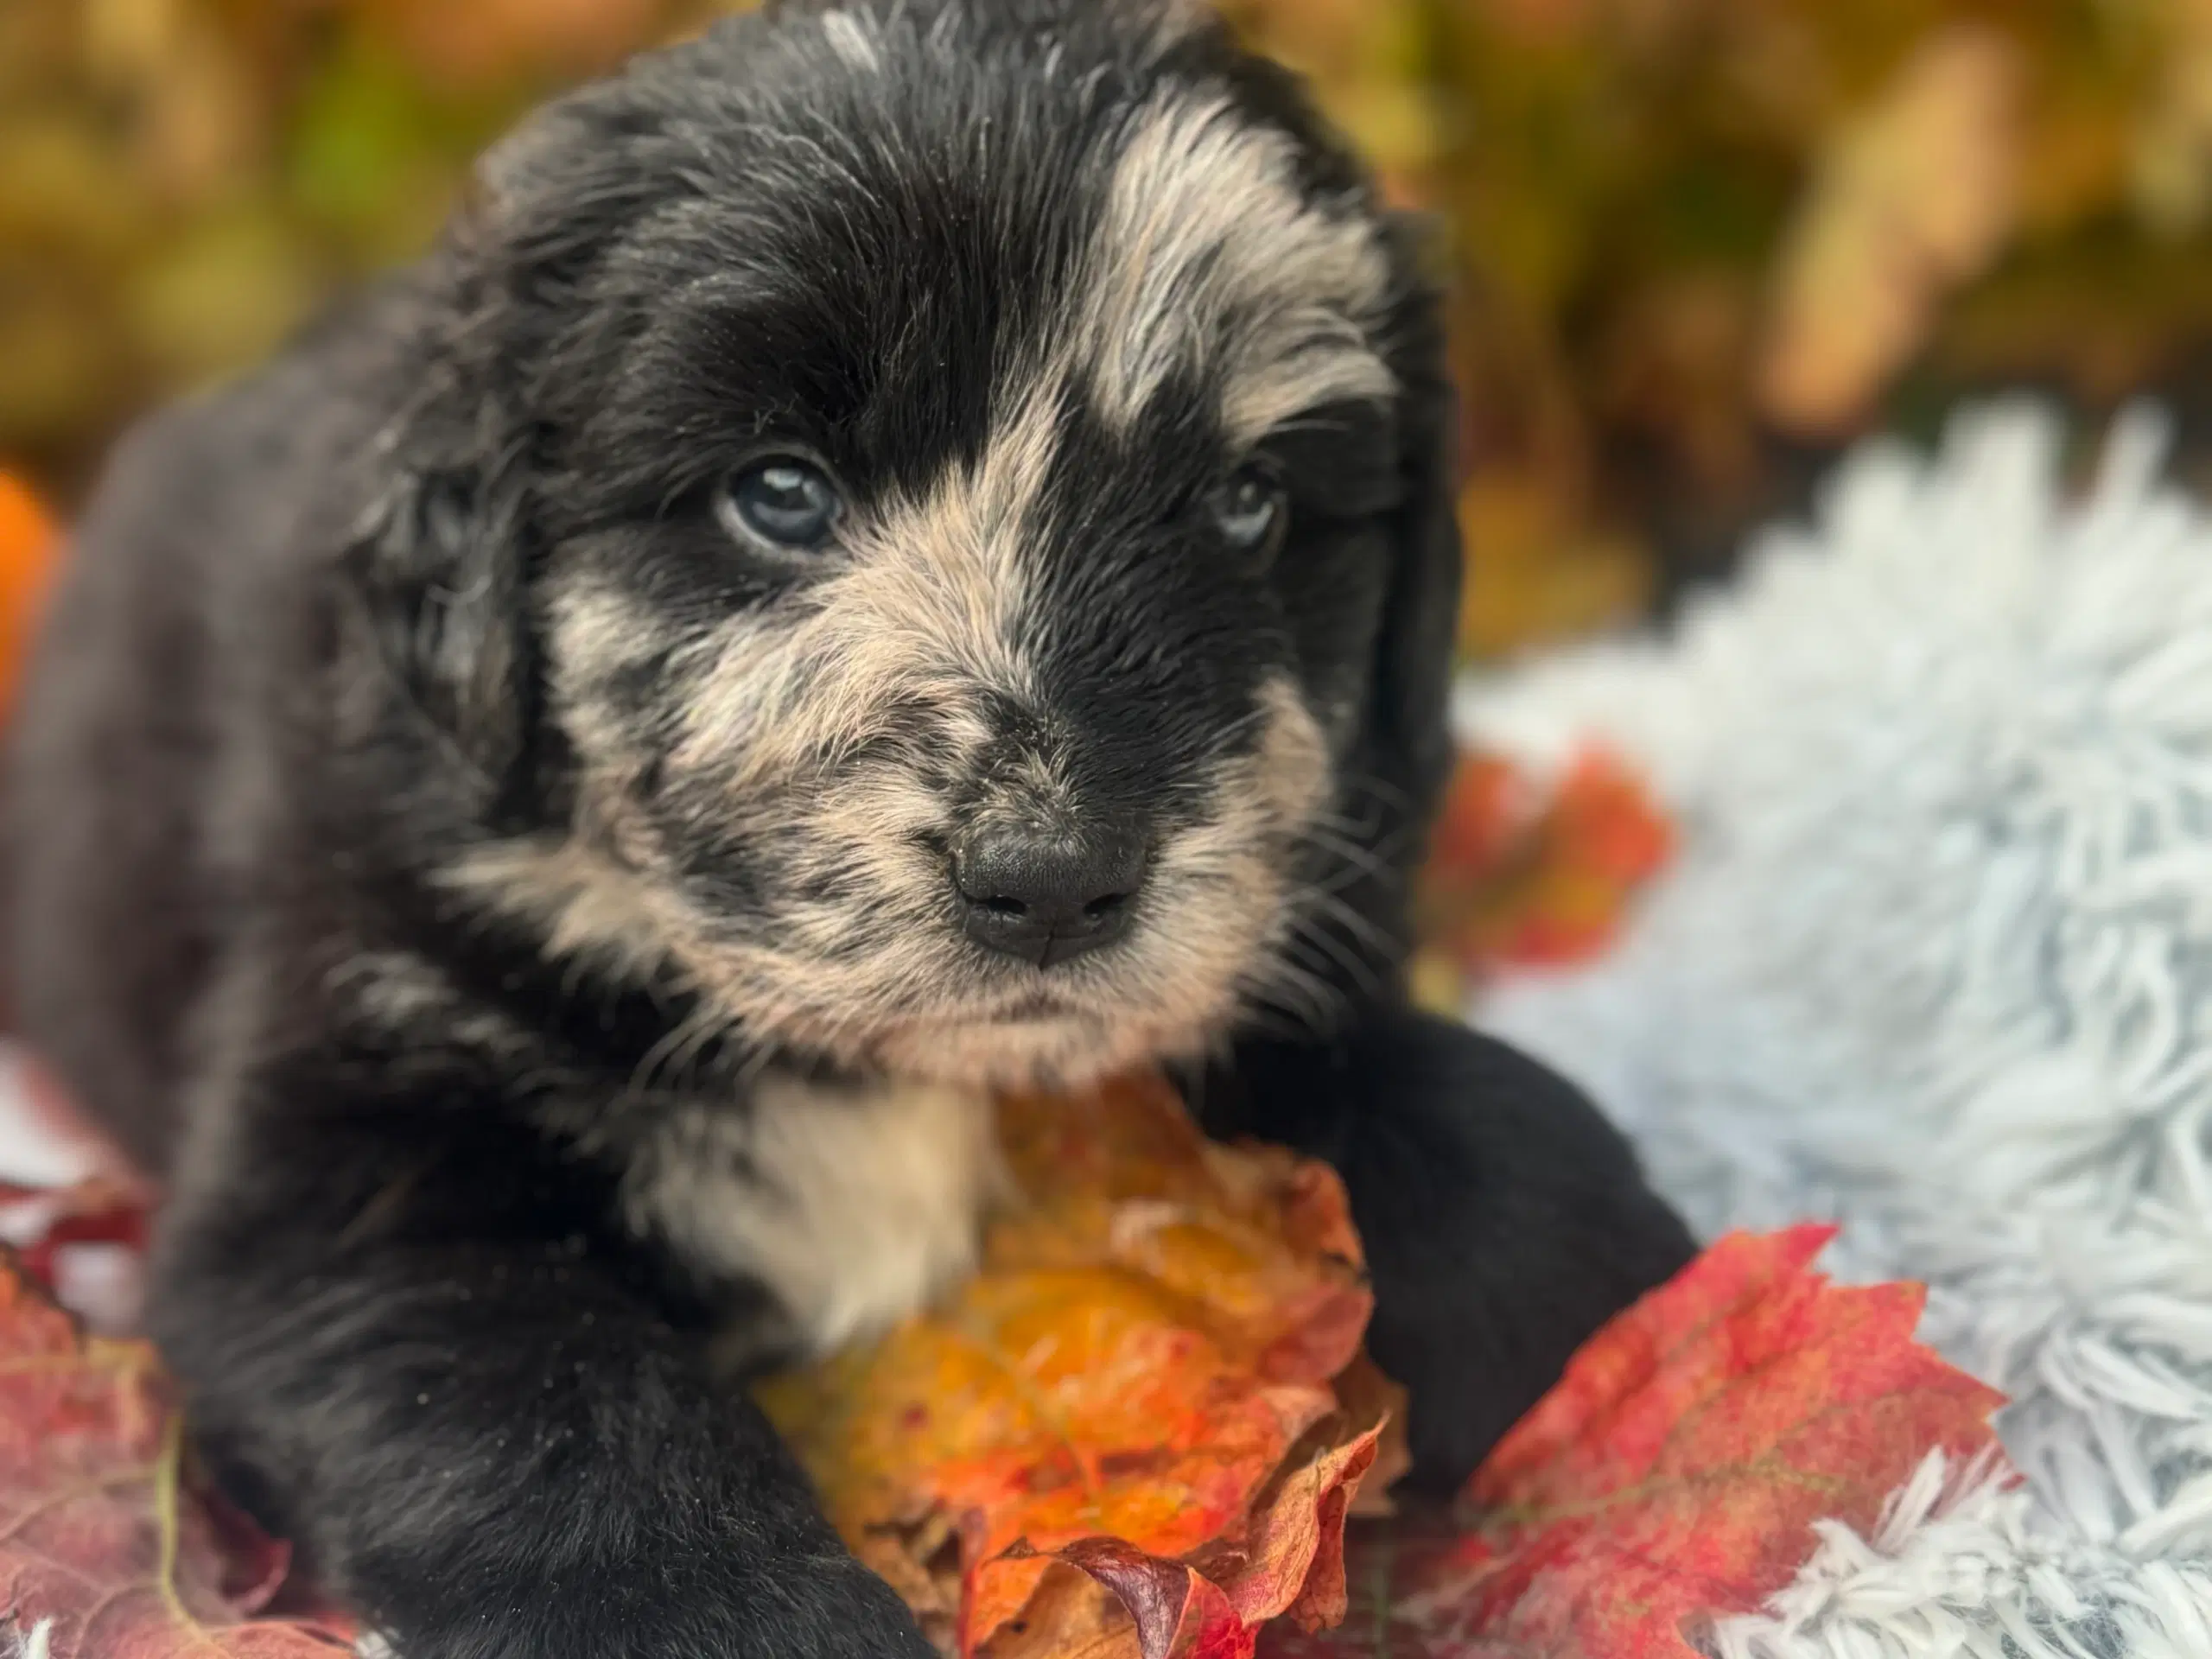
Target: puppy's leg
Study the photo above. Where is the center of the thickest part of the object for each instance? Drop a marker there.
(408, 1340)
(1504, 1218)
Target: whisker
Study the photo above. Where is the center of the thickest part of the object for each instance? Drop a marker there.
(1309, 1000)
(1384, 794)
(1363, 860)
(1362, 974)
(1358, 925)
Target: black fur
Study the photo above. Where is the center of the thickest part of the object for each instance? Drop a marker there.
(305, 661)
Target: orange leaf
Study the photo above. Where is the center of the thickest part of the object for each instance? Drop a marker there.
(1516, 878)
(28, 545)
(1486, 812)
(101, 1539)
(1286, 1561)
(1134, 1394)
(1674, 1473)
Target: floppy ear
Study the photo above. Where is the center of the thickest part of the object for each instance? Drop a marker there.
(440, 562)
(444, 555)
(1401, 755)
(1407, 743)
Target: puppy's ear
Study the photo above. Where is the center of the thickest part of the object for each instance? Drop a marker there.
(440, 562)
(1401, 756)
(1407, 744)
(490, 352)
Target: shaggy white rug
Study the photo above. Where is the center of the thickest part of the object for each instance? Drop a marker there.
(1936, 961)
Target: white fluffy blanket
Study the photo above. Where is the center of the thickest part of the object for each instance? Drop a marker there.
(1936, 961)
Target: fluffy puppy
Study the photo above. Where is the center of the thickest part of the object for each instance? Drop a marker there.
(894, 551)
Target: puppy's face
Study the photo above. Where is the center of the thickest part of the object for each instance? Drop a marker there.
(968, 536)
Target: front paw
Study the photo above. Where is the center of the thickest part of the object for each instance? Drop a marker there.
(1505, 1221)
(812, 1606)
(1479, 1330)
(831, 1608)
(841, 1610)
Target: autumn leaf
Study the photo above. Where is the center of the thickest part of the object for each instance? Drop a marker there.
(1673, 1474)
(28, 544)
(104, 1542)
(1914, 197)
(1285, 1560)
(1524, 875)
(96, 1211)
(1121, 1436)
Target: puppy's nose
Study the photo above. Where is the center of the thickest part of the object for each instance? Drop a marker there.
(1047, 899)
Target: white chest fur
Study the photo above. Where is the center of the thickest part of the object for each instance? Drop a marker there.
(852, 1204)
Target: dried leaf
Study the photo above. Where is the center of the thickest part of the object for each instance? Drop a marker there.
(103, 1540)
(1286, 1561)
(1136, 1388)
(28, 545)
(1519, 876)
(1674, 1473)
(1912, 198)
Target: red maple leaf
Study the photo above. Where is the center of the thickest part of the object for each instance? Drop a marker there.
(1673, 1474)
(94, 1211)
(1520, 875)
(105, 1541)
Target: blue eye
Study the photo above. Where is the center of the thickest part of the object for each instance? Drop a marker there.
(783, 503)
(1249, 510)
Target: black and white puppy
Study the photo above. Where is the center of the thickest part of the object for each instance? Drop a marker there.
(896, 550)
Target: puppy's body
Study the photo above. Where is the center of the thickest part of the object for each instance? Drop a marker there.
(552, 897)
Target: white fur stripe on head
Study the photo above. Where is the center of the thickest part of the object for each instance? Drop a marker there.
(1210, 259)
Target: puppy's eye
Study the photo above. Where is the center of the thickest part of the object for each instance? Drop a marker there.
(1248, 511)
(783, 502)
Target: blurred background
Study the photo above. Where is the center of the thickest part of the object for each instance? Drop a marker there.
(1699, 243)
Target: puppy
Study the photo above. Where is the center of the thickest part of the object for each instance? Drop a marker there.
(894, 551)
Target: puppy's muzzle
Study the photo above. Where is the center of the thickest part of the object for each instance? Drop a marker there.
(1047, 898)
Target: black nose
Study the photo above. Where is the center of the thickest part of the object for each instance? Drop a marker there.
(1045, 898)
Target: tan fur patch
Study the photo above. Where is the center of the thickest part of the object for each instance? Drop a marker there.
(392, 988)
(586, 904)
(1208, 260)
(398, 992)
(921, 1008)
(924, 613)
(854, 1205)
(1173, 22)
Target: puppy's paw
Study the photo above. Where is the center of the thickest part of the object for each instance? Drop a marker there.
(825, 1606)
(1505, 1221)
(841, 1610)
(1481, 1332)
